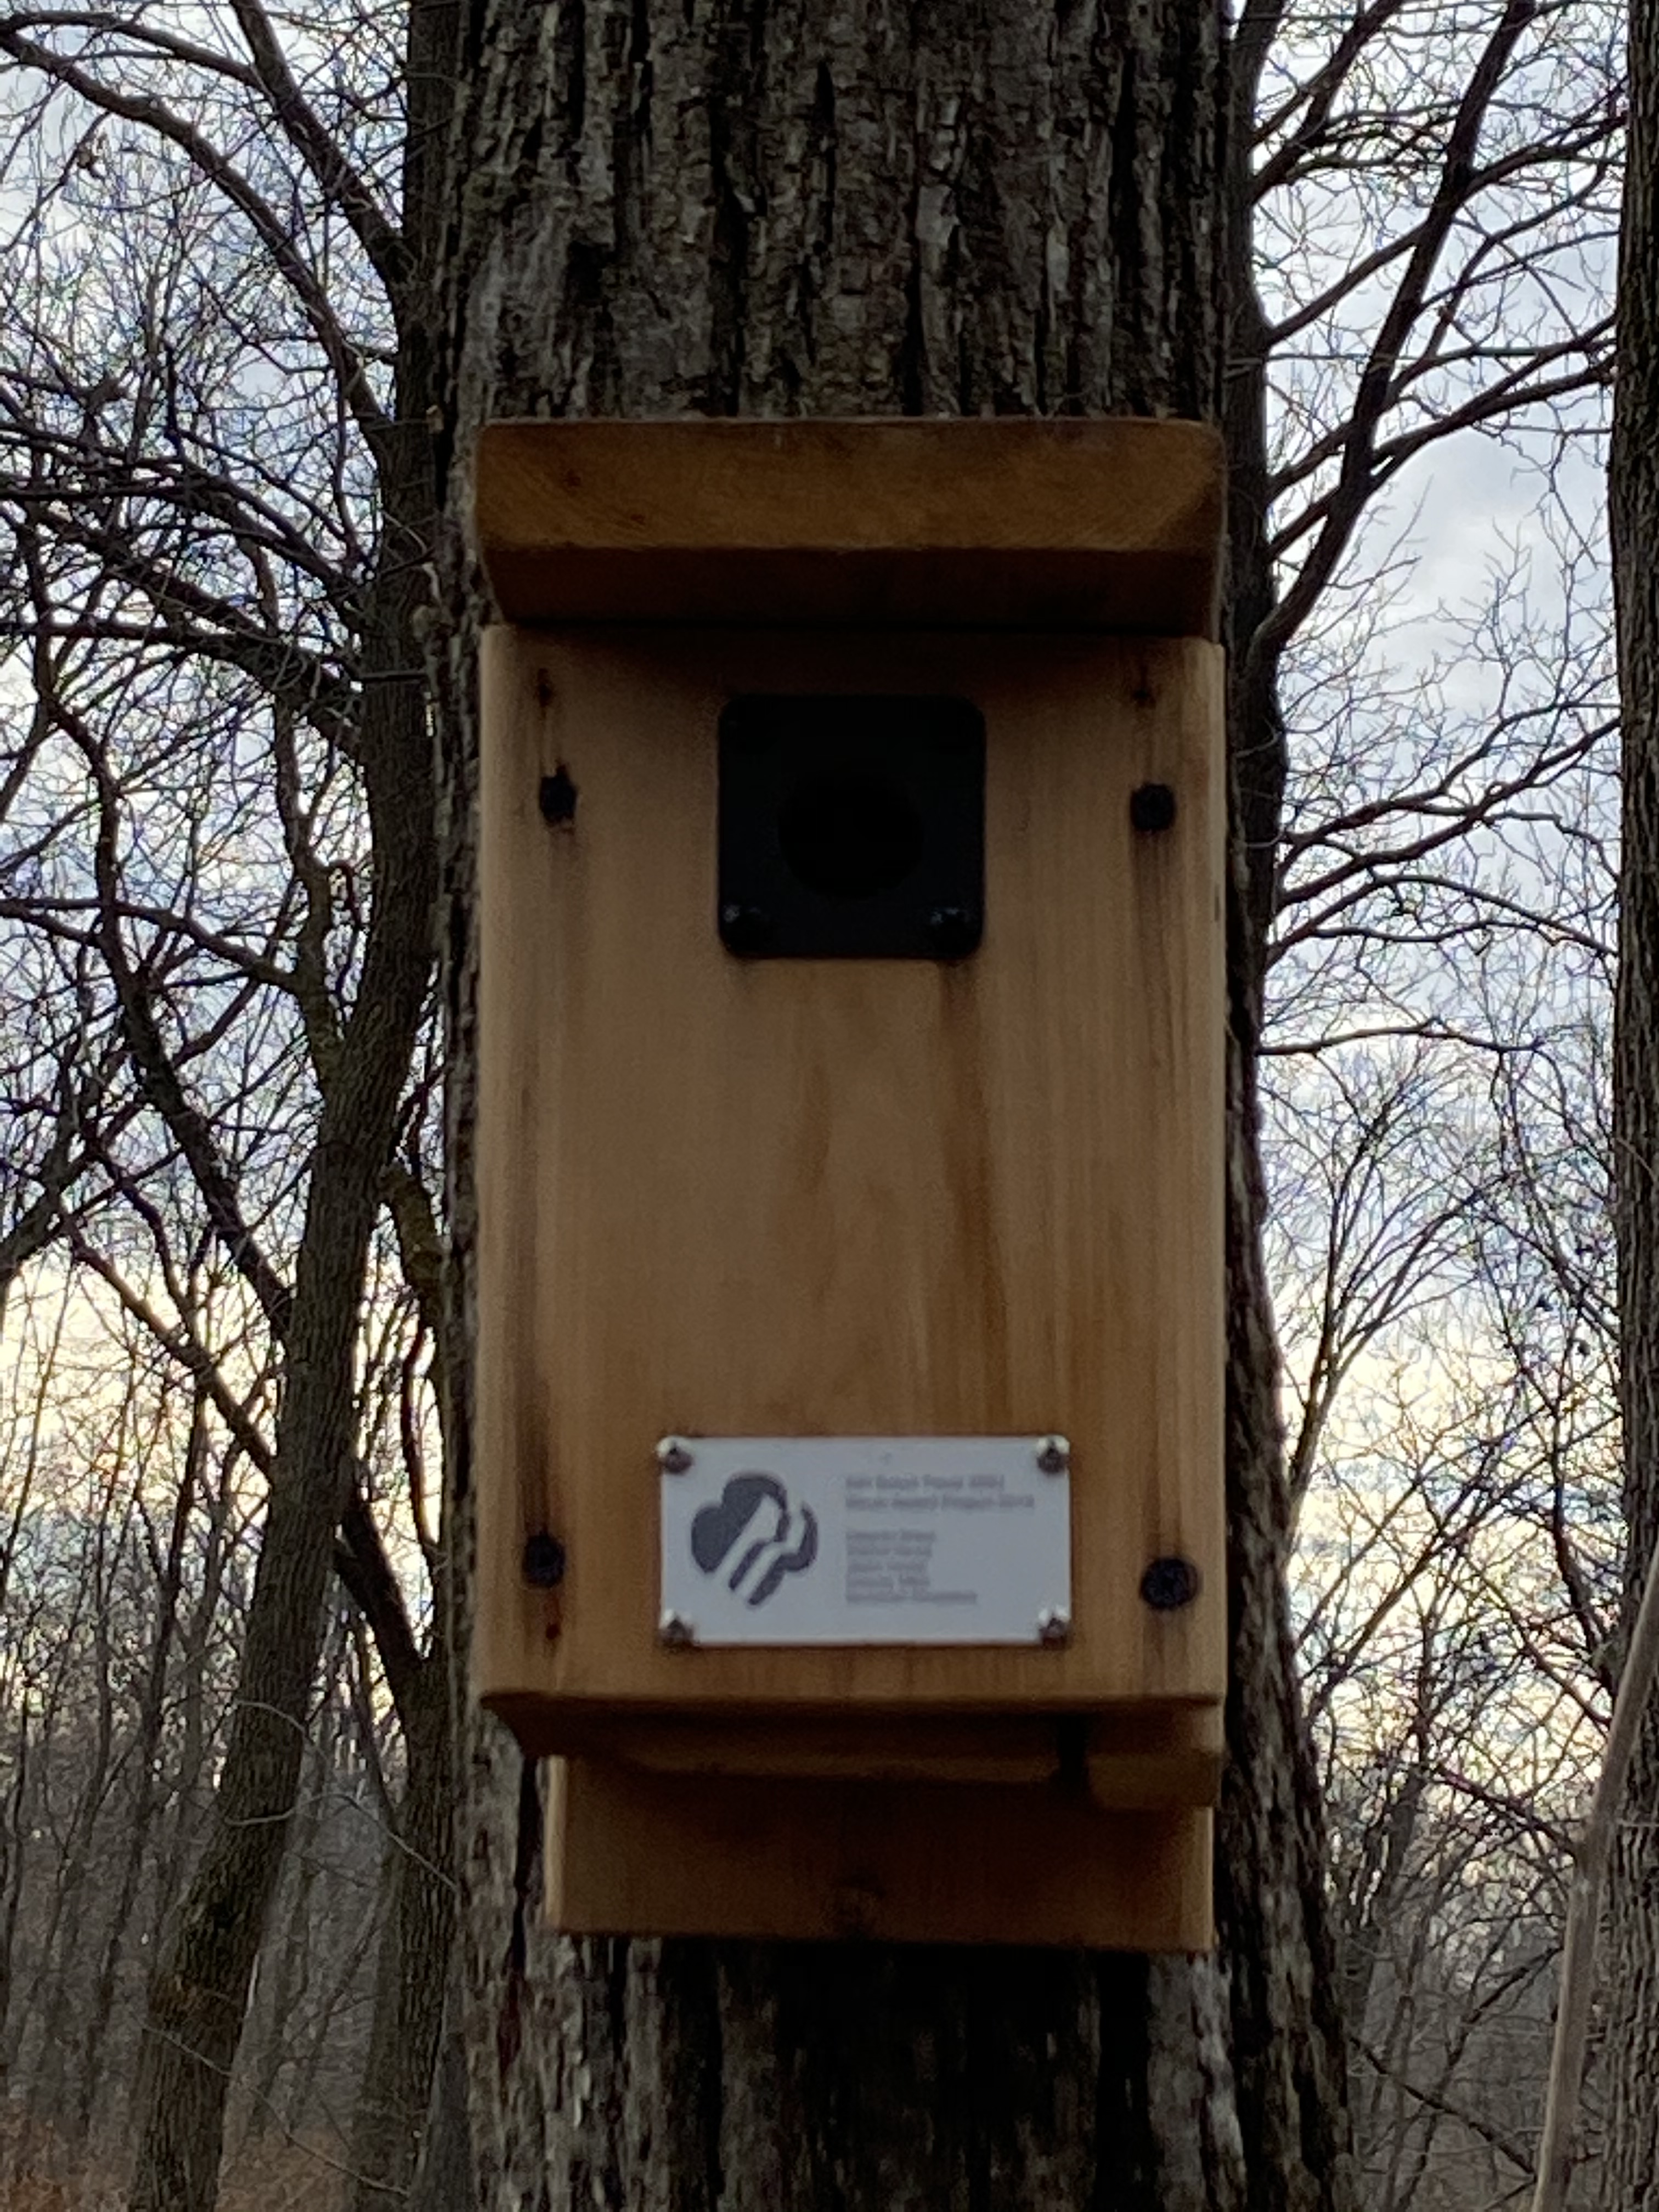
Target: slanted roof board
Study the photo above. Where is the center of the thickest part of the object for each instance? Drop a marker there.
(1109, 523)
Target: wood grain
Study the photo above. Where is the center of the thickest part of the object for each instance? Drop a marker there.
(631, 1852)
(846, 1197)
(1151, 1757)
(1111, 523)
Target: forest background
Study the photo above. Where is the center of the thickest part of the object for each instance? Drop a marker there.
(212, 516)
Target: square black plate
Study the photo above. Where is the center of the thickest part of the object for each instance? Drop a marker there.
(852, 827)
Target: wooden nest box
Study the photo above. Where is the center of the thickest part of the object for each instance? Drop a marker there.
(850, 1160)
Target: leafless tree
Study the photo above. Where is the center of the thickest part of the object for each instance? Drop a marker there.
(1633, 1946)
(217, 497)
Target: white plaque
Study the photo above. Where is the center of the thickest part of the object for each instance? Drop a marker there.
(866, 1540)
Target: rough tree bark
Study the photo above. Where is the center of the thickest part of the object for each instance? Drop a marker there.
(412, 1970)
(865, 207)
(1633, 1951)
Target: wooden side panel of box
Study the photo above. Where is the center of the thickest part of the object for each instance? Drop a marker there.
(634, 1852)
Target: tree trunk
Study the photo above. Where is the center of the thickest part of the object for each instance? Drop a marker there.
(282, 1984)
(844, 207)
(200, 1991)
(146, 1758)
(443, 2179)
(1632, 2030)
(60, 1964)
(412, 1972)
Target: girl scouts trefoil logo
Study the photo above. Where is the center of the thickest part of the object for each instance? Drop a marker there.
(755, 1524)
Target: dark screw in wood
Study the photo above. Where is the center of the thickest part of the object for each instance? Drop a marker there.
(1168, 1584)
(557, 797)
(543, 1561)
(1153, 807)
(745, 928)
(952, 931)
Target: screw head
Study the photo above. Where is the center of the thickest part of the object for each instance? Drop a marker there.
(746, 929)
(544, 1560)
(1168, 1584)
(556, 797)
(1053, 1454)
(1054, 1625)
(674, 1455)
(952, 930)
(675, 1631)
(1153, 807)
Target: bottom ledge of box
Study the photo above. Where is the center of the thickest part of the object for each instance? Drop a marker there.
(635, 1852)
